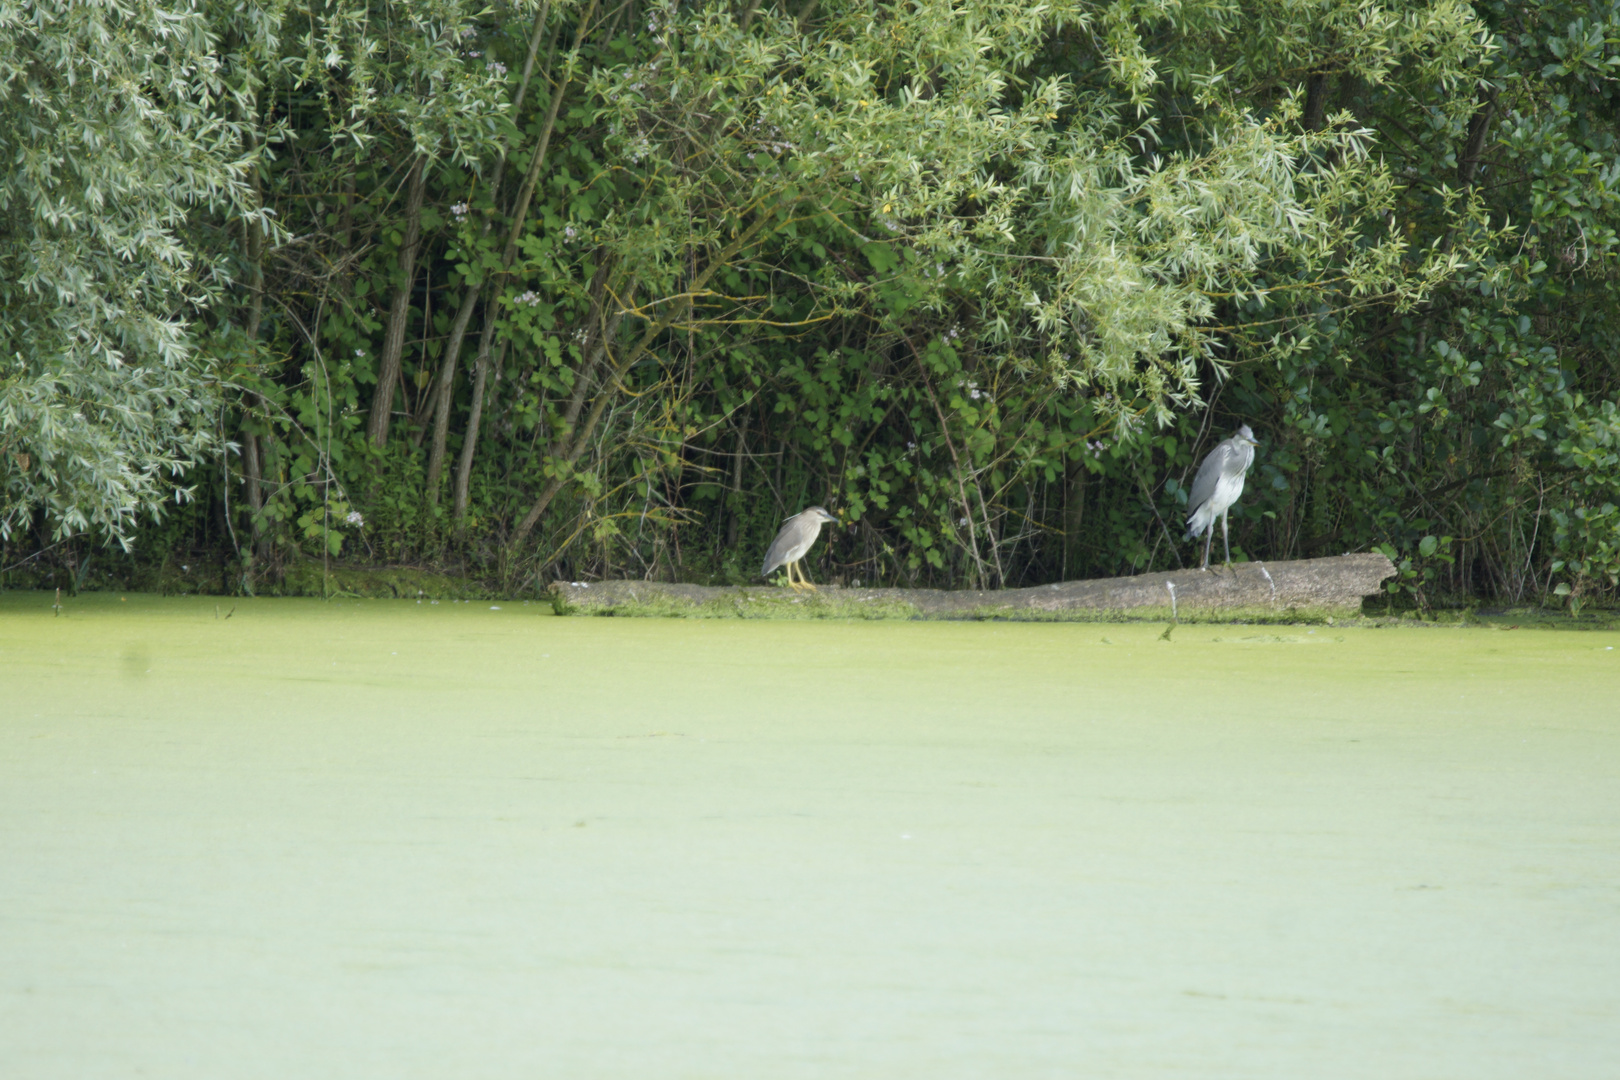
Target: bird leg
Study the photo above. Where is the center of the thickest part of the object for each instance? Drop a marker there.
(1209, 538)
(804, 582)
(1225, 540)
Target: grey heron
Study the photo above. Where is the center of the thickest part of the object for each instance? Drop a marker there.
(1216, 487)
(797, 535)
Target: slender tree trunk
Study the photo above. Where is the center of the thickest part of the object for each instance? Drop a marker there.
(252, 472)
(1074, 515)
(605, 332)
(622, 368)
(481, 390)
(382, 402)
(470, 443)
(520, 213)
(1479, 127)
(424, 402)
(582, 387)
(252, 463)
(732, 519)
(1316, 87)
(444, 394)
(961, 487)
(345, 232)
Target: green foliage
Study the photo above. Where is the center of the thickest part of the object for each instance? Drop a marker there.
(114, 133)
(989, 278)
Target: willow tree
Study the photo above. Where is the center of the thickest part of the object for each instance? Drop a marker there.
(113, 130)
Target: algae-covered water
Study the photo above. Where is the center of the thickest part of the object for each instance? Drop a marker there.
(383, 839)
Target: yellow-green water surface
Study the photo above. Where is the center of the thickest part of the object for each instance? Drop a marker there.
(384, 839)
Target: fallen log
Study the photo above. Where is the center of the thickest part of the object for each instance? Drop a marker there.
(1294, 591)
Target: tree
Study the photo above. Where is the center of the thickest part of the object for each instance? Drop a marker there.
(112, 130)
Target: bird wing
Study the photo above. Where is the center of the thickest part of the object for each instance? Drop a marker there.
(781, 546)
(1209, 474)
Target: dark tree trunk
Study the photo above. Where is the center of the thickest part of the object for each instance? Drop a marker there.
(474, 418)
(1316, 95)
(617, 371)
(443, 395)
(520, 211)
(733, 518)
(388, 367)
(445, 392)
(1074, 516)
(1479, 128)
(252, 460)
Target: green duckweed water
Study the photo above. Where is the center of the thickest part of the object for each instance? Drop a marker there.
(383, 839)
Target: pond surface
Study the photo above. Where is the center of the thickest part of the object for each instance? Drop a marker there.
(399, 840)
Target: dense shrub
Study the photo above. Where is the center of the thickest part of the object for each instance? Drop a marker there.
(557, 289)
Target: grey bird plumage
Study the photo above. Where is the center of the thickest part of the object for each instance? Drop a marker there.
(797, 535)
(1217, 486)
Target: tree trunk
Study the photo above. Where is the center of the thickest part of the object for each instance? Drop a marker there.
(520, 212)
(979, 573)
(732, 519)
(443, 395)
(597, 346)
(470, 443)
(1316, 87)
(481, 390)
(252, 474)
(1479, 127)
(382, 402)
(1074, 516)
(252, 465)
(618, 372)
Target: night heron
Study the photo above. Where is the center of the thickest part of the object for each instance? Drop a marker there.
(1216, 487)
(798, 533)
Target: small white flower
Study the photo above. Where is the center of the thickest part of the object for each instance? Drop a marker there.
(355, 519)
(459, 210)
(498, 68)
(962, 522)
(359, 352)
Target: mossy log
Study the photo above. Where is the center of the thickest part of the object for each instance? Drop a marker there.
(1296, 591)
